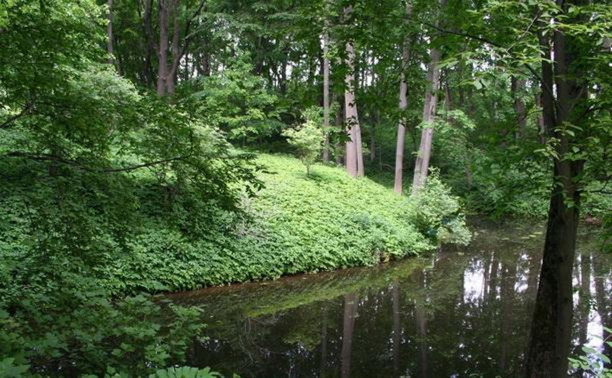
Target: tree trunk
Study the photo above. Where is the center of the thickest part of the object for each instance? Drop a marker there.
(339, 125)
(375, 123)
(517, 89)
(541, 125)
(421, 166)
(403, 105)
(109, 33)
(552, 319)
(162, 70)
(326, 95)
(149, 44)
(354, 153)
(176, 54)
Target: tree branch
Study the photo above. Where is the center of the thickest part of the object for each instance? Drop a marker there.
(494, 44)
(73, 163)
(24, 111)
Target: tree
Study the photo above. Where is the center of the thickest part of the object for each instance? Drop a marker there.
(421, 167)
(403, 105)
(354, 153)
(564, 119)
(307, 140)
(326, 146)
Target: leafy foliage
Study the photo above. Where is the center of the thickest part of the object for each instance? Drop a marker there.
(307, 140)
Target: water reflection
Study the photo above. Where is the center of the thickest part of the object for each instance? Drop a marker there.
(456, 313)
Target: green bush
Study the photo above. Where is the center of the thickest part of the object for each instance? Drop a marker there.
(437, 214)
(78, 329)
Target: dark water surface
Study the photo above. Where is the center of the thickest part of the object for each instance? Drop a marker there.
(456, 313)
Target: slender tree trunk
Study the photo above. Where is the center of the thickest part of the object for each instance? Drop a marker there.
(339, 125)
(149, 44)
(176, 54)
(109, 33)
(421, 166)
(507, 302)
(397, 329)
(541, 125)
(403, 105)
(552, 320)
(326, 146)
(162, 70)
(323, 364)
(517, 89)
(421, 320)
(354, 153)
(375, 123)
(350, 312)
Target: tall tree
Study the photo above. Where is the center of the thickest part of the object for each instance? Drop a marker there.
(109, 32)
(517, 88)
(354, 152)
(326, 146)
(421, 166)
(162, 70)
(562, 106)
(403, 105)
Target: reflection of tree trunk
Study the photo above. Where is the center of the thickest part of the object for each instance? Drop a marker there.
(421, 323)
(534, 270)
(323, 340)
(350, 311)
(396, 328)
(601, 299)
(493, 281)
(486, 275)
(532, 282)
(585, 294)
(507, 303)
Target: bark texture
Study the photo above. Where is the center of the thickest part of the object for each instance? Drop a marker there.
(403, 105)
(552, 319)
(354, 151)
(326, 147)
(421, 167)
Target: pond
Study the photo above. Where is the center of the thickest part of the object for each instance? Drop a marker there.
(455, 313)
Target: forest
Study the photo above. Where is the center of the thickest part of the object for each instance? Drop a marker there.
(211, 188)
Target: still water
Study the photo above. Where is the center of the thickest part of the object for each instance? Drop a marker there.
(456, 313)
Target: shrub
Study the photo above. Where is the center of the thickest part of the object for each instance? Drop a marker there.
(437, 214)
